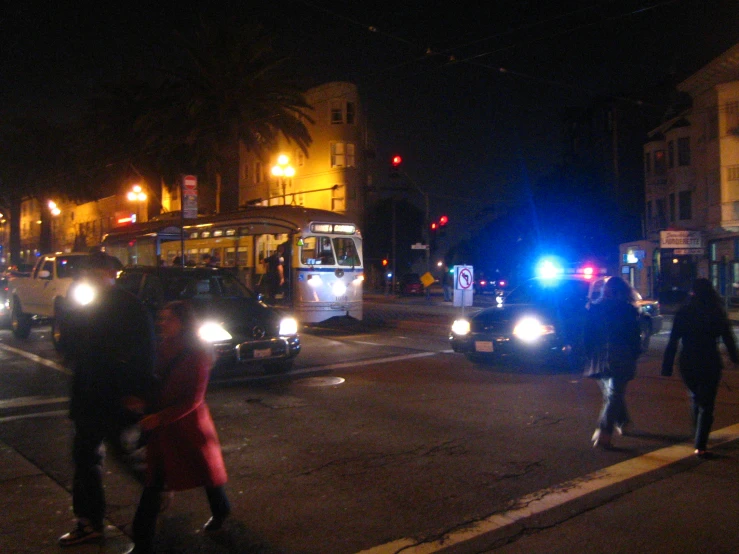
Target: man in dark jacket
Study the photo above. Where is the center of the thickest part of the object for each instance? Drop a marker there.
(699, 324)
(111, 346)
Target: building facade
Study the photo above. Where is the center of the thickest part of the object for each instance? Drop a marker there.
(333, 175)
(691, 167)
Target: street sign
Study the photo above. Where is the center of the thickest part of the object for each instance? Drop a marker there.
(419, 246)
(427, 279)
(464, 288)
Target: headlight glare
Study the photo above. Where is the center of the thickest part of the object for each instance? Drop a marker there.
(288, 326)
(315, 280)
(339, 288)
(461, 327)
(530, 329)
(213, 332)
(83, 293)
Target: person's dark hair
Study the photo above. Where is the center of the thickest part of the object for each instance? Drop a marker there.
(704, 292)
(618, 289)
(183, 311)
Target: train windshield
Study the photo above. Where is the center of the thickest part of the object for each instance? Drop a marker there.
(321, 250)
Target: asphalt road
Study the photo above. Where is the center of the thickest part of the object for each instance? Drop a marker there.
(380, 439)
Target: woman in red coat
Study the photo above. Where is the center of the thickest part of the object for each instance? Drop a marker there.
(183, 451)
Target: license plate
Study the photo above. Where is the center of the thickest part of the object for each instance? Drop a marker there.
(262, 352)
(483, 346)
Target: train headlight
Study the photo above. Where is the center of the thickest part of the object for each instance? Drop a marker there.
(358, 279)
(288, 326)
(461, 327)
(339, 288)
(315, 280)
(213, 332)
(530, 329)
(83, 293)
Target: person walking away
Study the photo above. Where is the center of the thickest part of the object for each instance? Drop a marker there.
(275, 274)
(613, 344)
(699, 324)
(183, 451)
(111, 348)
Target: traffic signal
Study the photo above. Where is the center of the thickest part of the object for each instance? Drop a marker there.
(395, 163)
(434, 225)
(384, 262)
(443, 220)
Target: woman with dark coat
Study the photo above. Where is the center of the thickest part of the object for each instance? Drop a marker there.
(699, 324)
(613, 345)
(183, 451)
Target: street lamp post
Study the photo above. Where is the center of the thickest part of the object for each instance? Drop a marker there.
(284, 171)
(54, 210)
(137, 194)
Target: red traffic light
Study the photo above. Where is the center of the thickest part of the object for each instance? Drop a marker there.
(396, 160)
(384, 262)
(434, 225)
(443, 220)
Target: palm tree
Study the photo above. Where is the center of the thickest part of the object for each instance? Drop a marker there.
(230, 89)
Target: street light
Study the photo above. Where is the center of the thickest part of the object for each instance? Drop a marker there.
(54, 210)
(137, 194)
(284, 171)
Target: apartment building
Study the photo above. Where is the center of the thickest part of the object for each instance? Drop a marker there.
(691, 168)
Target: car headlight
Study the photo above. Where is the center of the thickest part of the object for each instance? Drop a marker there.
(83, 293)
(461, 327)
(530, 329)
(315, 280)
(339, 288)
(213, 332)
(288, 326)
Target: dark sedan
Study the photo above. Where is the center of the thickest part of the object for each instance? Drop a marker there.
(242, 329)
(541, 321)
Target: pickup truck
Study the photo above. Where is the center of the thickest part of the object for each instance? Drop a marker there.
(41, 296)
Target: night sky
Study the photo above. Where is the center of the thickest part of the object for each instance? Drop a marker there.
(429, 71)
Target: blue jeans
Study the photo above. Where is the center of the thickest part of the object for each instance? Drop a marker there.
(614, 404)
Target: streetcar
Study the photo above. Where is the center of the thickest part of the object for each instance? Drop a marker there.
(324, 271)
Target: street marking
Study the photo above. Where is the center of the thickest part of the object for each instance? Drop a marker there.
(35, 415)
(342, 365)
(546, 499)
(35, 358)
(27, 401)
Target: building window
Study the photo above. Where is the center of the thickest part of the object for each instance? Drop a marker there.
(732, 117)
(337, 199)
(683, 151)
(337, 115)
(712, 130)
(343, 154)
(672, 206)
(671, 154)
(258, 172)
(732, 173)
(350, 113)
(647, 164)
(686, 205)
(661, 213)
(659, 163)
(299, 157)
(337, 154)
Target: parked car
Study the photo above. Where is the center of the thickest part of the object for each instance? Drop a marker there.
(410, 284)
(541, 321)
(243, 329)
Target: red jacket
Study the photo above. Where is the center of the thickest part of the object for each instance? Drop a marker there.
(183, 440)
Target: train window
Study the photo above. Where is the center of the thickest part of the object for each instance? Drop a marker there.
(346, 252)
(308, 251)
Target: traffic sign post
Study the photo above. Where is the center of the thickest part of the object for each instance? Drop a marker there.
(464, 285)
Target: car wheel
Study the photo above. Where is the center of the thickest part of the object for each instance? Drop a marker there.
(20, 323)
(645, 335)
(59, 331)
(276, 368)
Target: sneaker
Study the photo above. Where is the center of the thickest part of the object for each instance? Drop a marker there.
(83, 533)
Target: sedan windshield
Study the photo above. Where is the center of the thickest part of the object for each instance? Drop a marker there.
(555, 293)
